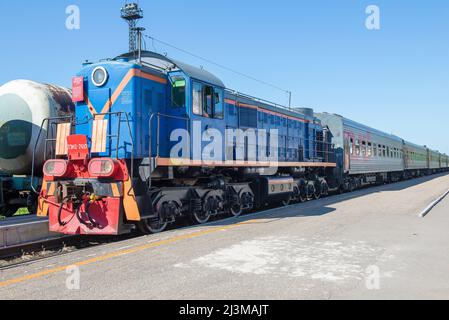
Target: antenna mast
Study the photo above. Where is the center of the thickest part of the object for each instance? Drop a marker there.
(132, 13)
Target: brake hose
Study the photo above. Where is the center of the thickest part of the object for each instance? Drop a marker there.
(61, 223)
(77, 213)
(93, 223)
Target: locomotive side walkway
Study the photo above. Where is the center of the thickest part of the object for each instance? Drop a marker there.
(368, 244)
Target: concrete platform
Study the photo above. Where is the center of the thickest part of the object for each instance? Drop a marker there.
(23, 230)
(370, 244)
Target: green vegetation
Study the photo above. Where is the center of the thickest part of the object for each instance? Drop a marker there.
(22, 212)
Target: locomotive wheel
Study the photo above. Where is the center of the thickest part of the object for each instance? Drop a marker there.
(236, 206)
(302, 196)
(351, 186)
(213, 204)
(317, 194)
(311, 191)
(152, 227)
(295, 195)
(324, 189)
(247, 199)
(167, 207)
(201, 217)
(236, 210)
(287, 201)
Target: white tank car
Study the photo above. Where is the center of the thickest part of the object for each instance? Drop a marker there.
(23, 106)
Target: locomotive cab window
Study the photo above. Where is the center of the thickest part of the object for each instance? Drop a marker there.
(178, 92)
(207, 102)
(218, 105)
(208, 96)
(197, 102)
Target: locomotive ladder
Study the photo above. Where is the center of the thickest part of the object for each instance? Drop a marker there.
(50, 125)
(50, 138)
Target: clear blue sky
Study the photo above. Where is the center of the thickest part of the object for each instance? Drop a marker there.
(395, 79)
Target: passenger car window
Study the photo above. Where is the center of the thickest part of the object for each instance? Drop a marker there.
(357, 147)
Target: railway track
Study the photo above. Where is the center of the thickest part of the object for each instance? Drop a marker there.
(27, 253)
(31, 252)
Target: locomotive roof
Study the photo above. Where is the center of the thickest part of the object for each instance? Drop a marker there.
(166, 64)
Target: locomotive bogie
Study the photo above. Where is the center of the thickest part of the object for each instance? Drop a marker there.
(200, 203)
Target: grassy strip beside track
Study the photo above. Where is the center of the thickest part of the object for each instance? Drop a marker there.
(22, 212)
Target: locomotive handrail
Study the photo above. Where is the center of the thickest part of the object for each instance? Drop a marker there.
(260, 100)
(250, 97)
(33, 162)
(119, 115)
(150, 147)
(49, 121)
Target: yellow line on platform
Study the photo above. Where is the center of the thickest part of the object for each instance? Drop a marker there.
(122, 253)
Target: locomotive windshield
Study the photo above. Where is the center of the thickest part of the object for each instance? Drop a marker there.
(178, 92)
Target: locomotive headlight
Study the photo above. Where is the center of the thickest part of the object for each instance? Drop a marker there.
(55, 168)
(102, 168)
(99, 76)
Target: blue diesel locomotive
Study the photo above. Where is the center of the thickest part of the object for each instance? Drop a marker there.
(154, 139)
